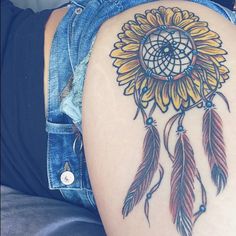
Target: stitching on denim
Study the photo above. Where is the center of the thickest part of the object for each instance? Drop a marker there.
(69, 31)
(76, 4)
(91, 199)
(118, 4)
(81, 169)
(63, 195)
(49, 165)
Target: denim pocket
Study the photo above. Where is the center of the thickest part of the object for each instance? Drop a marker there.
(63, 163)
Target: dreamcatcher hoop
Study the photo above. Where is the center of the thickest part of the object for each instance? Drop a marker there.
(171, 31)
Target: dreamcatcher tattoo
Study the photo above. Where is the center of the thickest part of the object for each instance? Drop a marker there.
(168, 57)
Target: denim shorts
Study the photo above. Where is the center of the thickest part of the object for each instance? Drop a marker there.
(70, 53)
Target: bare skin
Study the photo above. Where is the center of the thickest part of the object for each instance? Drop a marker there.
(117, 140)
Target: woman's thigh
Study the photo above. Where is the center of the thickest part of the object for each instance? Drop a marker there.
(130, 71)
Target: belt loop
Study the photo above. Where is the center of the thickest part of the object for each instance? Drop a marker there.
(77, 11)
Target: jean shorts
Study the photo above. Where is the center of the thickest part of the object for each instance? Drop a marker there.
(70, 53)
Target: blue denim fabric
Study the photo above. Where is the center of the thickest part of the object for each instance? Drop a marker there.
(228, 14)
(70, 52)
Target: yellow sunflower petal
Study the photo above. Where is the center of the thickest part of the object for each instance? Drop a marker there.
(144, 83)
(139, 81)
(132, 22)
(132, 47)
(211, 80)
(121, 35)
(218, 41)
(149, 95)
(210, 42)
(152, 19)
(191, 89)
(128, 66)
(204, 61)
(207, 36)
(159, 19)
(141, 19)
(203, 57)
(127, 75)
(154, 11)
(224, 77)
(185, 22)
(146, 27)
(129, 40)
(168, 16)
(158, 97)
(195, 24)
(208, 62)
(137, 30)
(125, 27)
(175, 97)
(144, 104)
(209, 65)
(125, 81)
(118, 53)
(181, 89)
(219, 58)
(195, 18)
(176, 9)
(165, 94)
(215, 61)
(130, 89)
(197, 82)
(119, 44)
(211, 50)
(132, 35)
(119, 62)
(185, 14)
(177, 18)
(224, 70)
(162, 10)
(198, 31)
(185, 104)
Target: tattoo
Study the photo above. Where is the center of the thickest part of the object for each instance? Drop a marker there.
(168, 57)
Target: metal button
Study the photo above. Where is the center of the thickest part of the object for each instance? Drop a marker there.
(78, 10)
(67, 177)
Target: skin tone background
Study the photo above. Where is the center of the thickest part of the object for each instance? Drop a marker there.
(113, 141)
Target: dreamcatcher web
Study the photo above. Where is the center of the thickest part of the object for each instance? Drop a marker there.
(167, 52)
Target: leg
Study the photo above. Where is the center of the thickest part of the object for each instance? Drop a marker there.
(114, 141)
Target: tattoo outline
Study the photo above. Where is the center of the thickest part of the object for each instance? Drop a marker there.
(164, 57)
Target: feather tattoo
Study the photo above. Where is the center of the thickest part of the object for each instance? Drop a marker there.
(168, 57)
(182, 185)
(214, 146)
(146, 170)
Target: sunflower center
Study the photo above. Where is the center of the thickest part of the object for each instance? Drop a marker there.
(167, 53)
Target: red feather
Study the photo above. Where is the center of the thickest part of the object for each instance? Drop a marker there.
(146, 170)
(182, 186)
(213, 142)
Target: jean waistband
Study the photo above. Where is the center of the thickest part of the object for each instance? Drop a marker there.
(230, 15)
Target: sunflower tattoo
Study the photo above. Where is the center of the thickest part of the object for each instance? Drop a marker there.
(168, 57)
